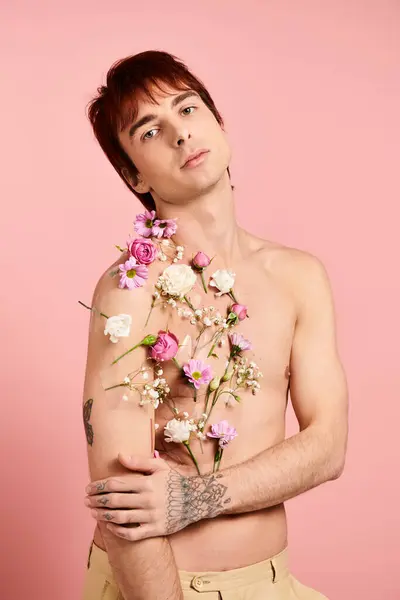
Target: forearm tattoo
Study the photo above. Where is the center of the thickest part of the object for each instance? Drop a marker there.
(191, 499)
(87, 411)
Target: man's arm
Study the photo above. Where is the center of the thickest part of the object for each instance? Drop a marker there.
(144, 570)
(318, 390)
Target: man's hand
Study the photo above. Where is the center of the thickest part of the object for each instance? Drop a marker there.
(137, 498)
(155, 500)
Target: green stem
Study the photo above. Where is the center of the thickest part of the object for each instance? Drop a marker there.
(125, 353)
(192, 456)
(217, 338)
(177, 364)
(115, 386)
(189, 303)
(203, 282)
(232, 295)
(151, 308)
(214, 400)
(197, 341)
(92, 309)
(217, 459)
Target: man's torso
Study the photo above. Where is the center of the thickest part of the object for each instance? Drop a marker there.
(265, 282)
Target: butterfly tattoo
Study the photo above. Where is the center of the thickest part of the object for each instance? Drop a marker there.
(87, 411)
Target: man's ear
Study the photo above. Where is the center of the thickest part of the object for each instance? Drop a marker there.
(136, 182)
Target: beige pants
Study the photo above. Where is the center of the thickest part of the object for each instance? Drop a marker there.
(267, 580)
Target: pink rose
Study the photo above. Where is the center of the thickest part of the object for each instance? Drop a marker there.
(201, 261)
(240, 310)
(165, 347)
(143, 250)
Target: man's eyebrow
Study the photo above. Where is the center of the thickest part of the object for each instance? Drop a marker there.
(151, 117)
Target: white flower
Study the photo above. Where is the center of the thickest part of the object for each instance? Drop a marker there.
(156, 426)
(177, 431)
(125, 397)
(117, 327)
(224, 280)
(207, 322)
(178, 280)
(127, 380)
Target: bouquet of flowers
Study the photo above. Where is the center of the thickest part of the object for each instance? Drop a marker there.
(153, 242)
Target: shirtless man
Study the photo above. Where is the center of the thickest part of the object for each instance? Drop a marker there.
(164, 532)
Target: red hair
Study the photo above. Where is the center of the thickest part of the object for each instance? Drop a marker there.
(116, 104)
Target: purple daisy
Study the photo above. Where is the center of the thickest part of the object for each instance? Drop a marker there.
(197, 372)
(132, 274)
(224, 432)
(238, 343)
(144, 223)
(164, 228)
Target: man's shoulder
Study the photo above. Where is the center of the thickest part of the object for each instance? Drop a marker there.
(296, 268)
(108, 295)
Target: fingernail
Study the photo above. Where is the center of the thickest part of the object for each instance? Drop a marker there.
(87, 501)
(94, 513)
(89, 487)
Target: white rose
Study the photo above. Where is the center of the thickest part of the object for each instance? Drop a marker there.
(178, 279)
(117, 327)
(177, 431)
(224, 280)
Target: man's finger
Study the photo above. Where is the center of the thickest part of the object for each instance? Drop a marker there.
(114, 484)
(139, 463)
(122, 501)
(122, 516)
(132, 534)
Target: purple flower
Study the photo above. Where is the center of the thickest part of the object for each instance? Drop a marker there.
(224, 432)
(144, 223)
(164, 228)
(238, 343)
(197, 372)
(132, 274)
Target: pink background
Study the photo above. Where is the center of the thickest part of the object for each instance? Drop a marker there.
(310, 93)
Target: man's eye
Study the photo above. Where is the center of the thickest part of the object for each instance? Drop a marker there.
(147, 136)
(187, 109)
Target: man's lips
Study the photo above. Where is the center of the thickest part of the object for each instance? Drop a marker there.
(193, 156)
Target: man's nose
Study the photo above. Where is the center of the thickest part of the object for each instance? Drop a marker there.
(182, 135)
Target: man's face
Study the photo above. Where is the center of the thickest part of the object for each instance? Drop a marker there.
(162, 138)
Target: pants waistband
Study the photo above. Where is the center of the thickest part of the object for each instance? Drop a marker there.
(272, 569)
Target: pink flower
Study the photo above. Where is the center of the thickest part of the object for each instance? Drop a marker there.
(224, 432)
(164, 228)
(132, 274)
(200, 261)
(197, 372)
(238, 343)
(240, 310)
(165, 347)
(144, 223)
(144, 251)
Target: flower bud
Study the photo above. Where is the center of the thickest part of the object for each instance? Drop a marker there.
(149, 340)
(214, 383)
(240, 310)
(200, 261)
(227, 376)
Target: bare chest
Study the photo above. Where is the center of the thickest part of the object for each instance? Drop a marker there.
(253, 396)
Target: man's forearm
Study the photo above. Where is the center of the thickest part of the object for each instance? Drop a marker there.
(277, 474)
(143, 570)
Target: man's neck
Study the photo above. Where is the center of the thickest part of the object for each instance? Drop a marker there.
(207, 224)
